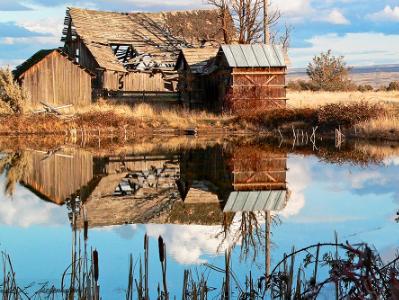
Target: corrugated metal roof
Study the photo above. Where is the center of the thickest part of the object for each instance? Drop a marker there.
(254, 56)
(275, 200)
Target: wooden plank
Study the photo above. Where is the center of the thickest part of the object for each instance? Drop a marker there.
(259, 73)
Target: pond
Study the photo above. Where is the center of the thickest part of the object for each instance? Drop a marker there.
(80, 221)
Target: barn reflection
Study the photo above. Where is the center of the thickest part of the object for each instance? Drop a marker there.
(209, 186)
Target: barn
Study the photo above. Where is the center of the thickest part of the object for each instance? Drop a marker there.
(51, 76)
(250, 76)
(193, 66)
(136, 52)
(233, 78)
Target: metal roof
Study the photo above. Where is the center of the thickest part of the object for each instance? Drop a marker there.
(275, 200)
(254, 56)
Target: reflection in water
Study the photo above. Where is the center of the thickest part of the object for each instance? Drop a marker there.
(220, 197)
(14, 165)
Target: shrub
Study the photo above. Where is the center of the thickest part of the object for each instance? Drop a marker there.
(12, 97)
(329, 73)
(334, 115)
(302, 85)
(393, 86)
(365, 88)
(328, 116)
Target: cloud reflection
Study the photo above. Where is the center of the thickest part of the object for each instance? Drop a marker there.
(25, 209)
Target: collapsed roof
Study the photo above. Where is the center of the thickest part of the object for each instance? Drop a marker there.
(150, 39)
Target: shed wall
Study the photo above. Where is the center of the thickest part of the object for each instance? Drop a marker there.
(57, 80)
(260, 88)
(133, 81)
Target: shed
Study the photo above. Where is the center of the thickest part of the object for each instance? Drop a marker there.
(193, 66)
(133, 52)
(51, 76)
(250, 77)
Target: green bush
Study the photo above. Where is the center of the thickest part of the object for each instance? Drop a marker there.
(329, 73)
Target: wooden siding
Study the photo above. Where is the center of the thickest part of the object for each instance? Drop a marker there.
(133, 81)
(257, 88)
(57, 80)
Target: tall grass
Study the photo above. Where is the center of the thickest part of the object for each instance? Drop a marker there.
(13, 98)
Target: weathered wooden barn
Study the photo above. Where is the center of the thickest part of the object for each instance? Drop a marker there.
(193, 66)
(236, 77)
(250, 77)
(137, 52)
(51, 76)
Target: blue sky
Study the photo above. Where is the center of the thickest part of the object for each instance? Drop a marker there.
(365, 31)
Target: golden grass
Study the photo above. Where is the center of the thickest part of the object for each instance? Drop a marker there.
(305, 99)
(156, 117)
(386, 127)
(114, 118)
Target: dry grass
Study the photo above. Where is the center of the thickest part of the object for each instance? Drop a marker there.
(154, 117)
(114, 118)
(305, 99)
(13, 98)
(384, 128)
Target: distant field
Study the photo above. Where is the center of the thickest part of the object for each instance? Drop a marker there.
(375, 76)
(313, 99)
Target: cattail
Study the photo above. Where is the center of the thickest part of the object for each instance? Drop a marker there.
(86, 230)
(95, 263)
(145, 242)
(161, 247)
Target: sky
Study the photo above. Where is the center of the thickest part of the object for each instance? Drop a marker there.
(364, 31)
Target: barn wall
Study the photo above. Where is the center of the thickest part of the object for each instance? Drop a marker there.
(257, 88)
(133, 81)
(56, 80)
(197, 91)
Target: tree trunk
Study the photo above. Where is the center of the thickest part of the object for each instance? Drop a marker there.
(266, 29)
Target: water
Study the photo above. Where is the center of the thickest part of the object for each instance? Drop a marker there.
(193, 196)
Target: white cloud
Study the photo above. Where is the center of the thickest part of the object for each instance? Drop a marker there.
(298, 178)
(336, 17)
(294, 11)
(52, 26)
(11, 63)
(393, 160)
(188, 243)
(47, 41)
(387, 14)
(25, 210)
(365, 48)
(360, 179)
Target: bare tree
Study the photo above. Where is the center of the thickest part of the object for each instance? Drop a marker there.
(225, 18)
(247, 19)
